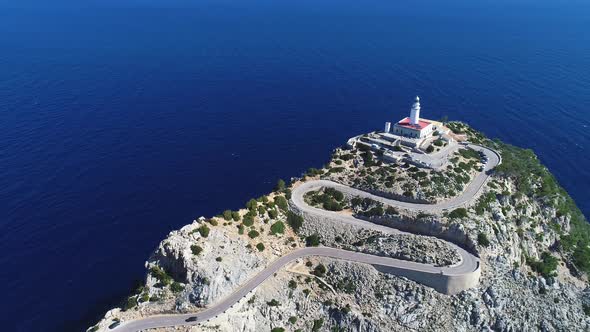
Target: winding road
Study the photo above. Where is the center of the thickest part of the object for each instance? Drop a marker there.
(448, 280)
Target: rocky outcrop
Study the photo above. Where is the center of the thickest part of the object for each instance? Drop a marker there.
(421, 249)
(222, 266)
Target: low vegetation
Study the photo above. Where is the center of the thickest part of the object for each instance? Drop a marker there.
(277, 228)
(458, 213)
(482, 240)
(545, 266)
(312, 240)
(294, 220)
(327, 198)
(163, 278)
(260, 246)
(534, 180)
(196, 250)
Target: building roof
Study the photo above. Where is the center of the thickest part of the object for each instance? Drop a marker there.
(405, 122)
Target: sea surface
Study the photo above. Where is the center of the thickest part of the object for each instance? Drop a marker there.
(123, 120)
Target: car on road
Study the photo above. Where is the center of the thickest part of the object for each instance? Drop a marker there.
(191, 319)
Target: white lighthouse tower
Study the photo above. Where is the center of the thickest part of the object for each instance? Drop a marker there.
(415, 112)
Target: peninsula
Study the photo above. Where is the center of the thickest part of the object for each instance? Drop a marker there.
(424, 225)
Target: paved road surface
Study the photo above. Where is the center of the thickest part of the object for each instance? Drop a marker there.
(467, 265)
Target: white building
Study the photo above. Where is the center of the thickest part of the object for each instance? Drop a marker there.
(413, 126)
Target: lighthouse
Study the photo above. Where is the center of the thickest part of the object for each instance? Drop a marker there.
(415, 112)
(413, 126)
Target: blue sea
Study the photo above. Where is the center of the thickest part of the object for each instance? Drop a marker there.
(123, 120)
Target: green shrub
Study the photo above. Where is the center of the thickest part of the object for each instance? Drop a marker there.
(292, 319)
(273, 303)
(212, 221)
(204, 230)
(277, 228)
(292, 284)
(273, 214)
(320, 270)
(241, 229)
(277, 329)
(145, 297)
(332, 205)
(260, 247)
(312, 240)
(196, 249)
(252, 204)
(235, 215)
(317, 324)
(281, 185)
(248, 220)
(294, 220)
(130, 303)
(391, 211)
(338, 169)
(160, 275)
(458, 213)
(219, 259)
(313, 172)
(482, 240)
(227, 215)
(546, 266)
(281, 202)
(176, 287)
(376, 211)
(253, 234)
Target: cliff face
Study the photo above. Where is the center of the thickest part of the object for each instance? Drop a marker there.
(529, 243)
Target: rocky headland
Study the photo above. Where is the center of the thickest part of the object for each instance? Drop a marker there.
(531, 239)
